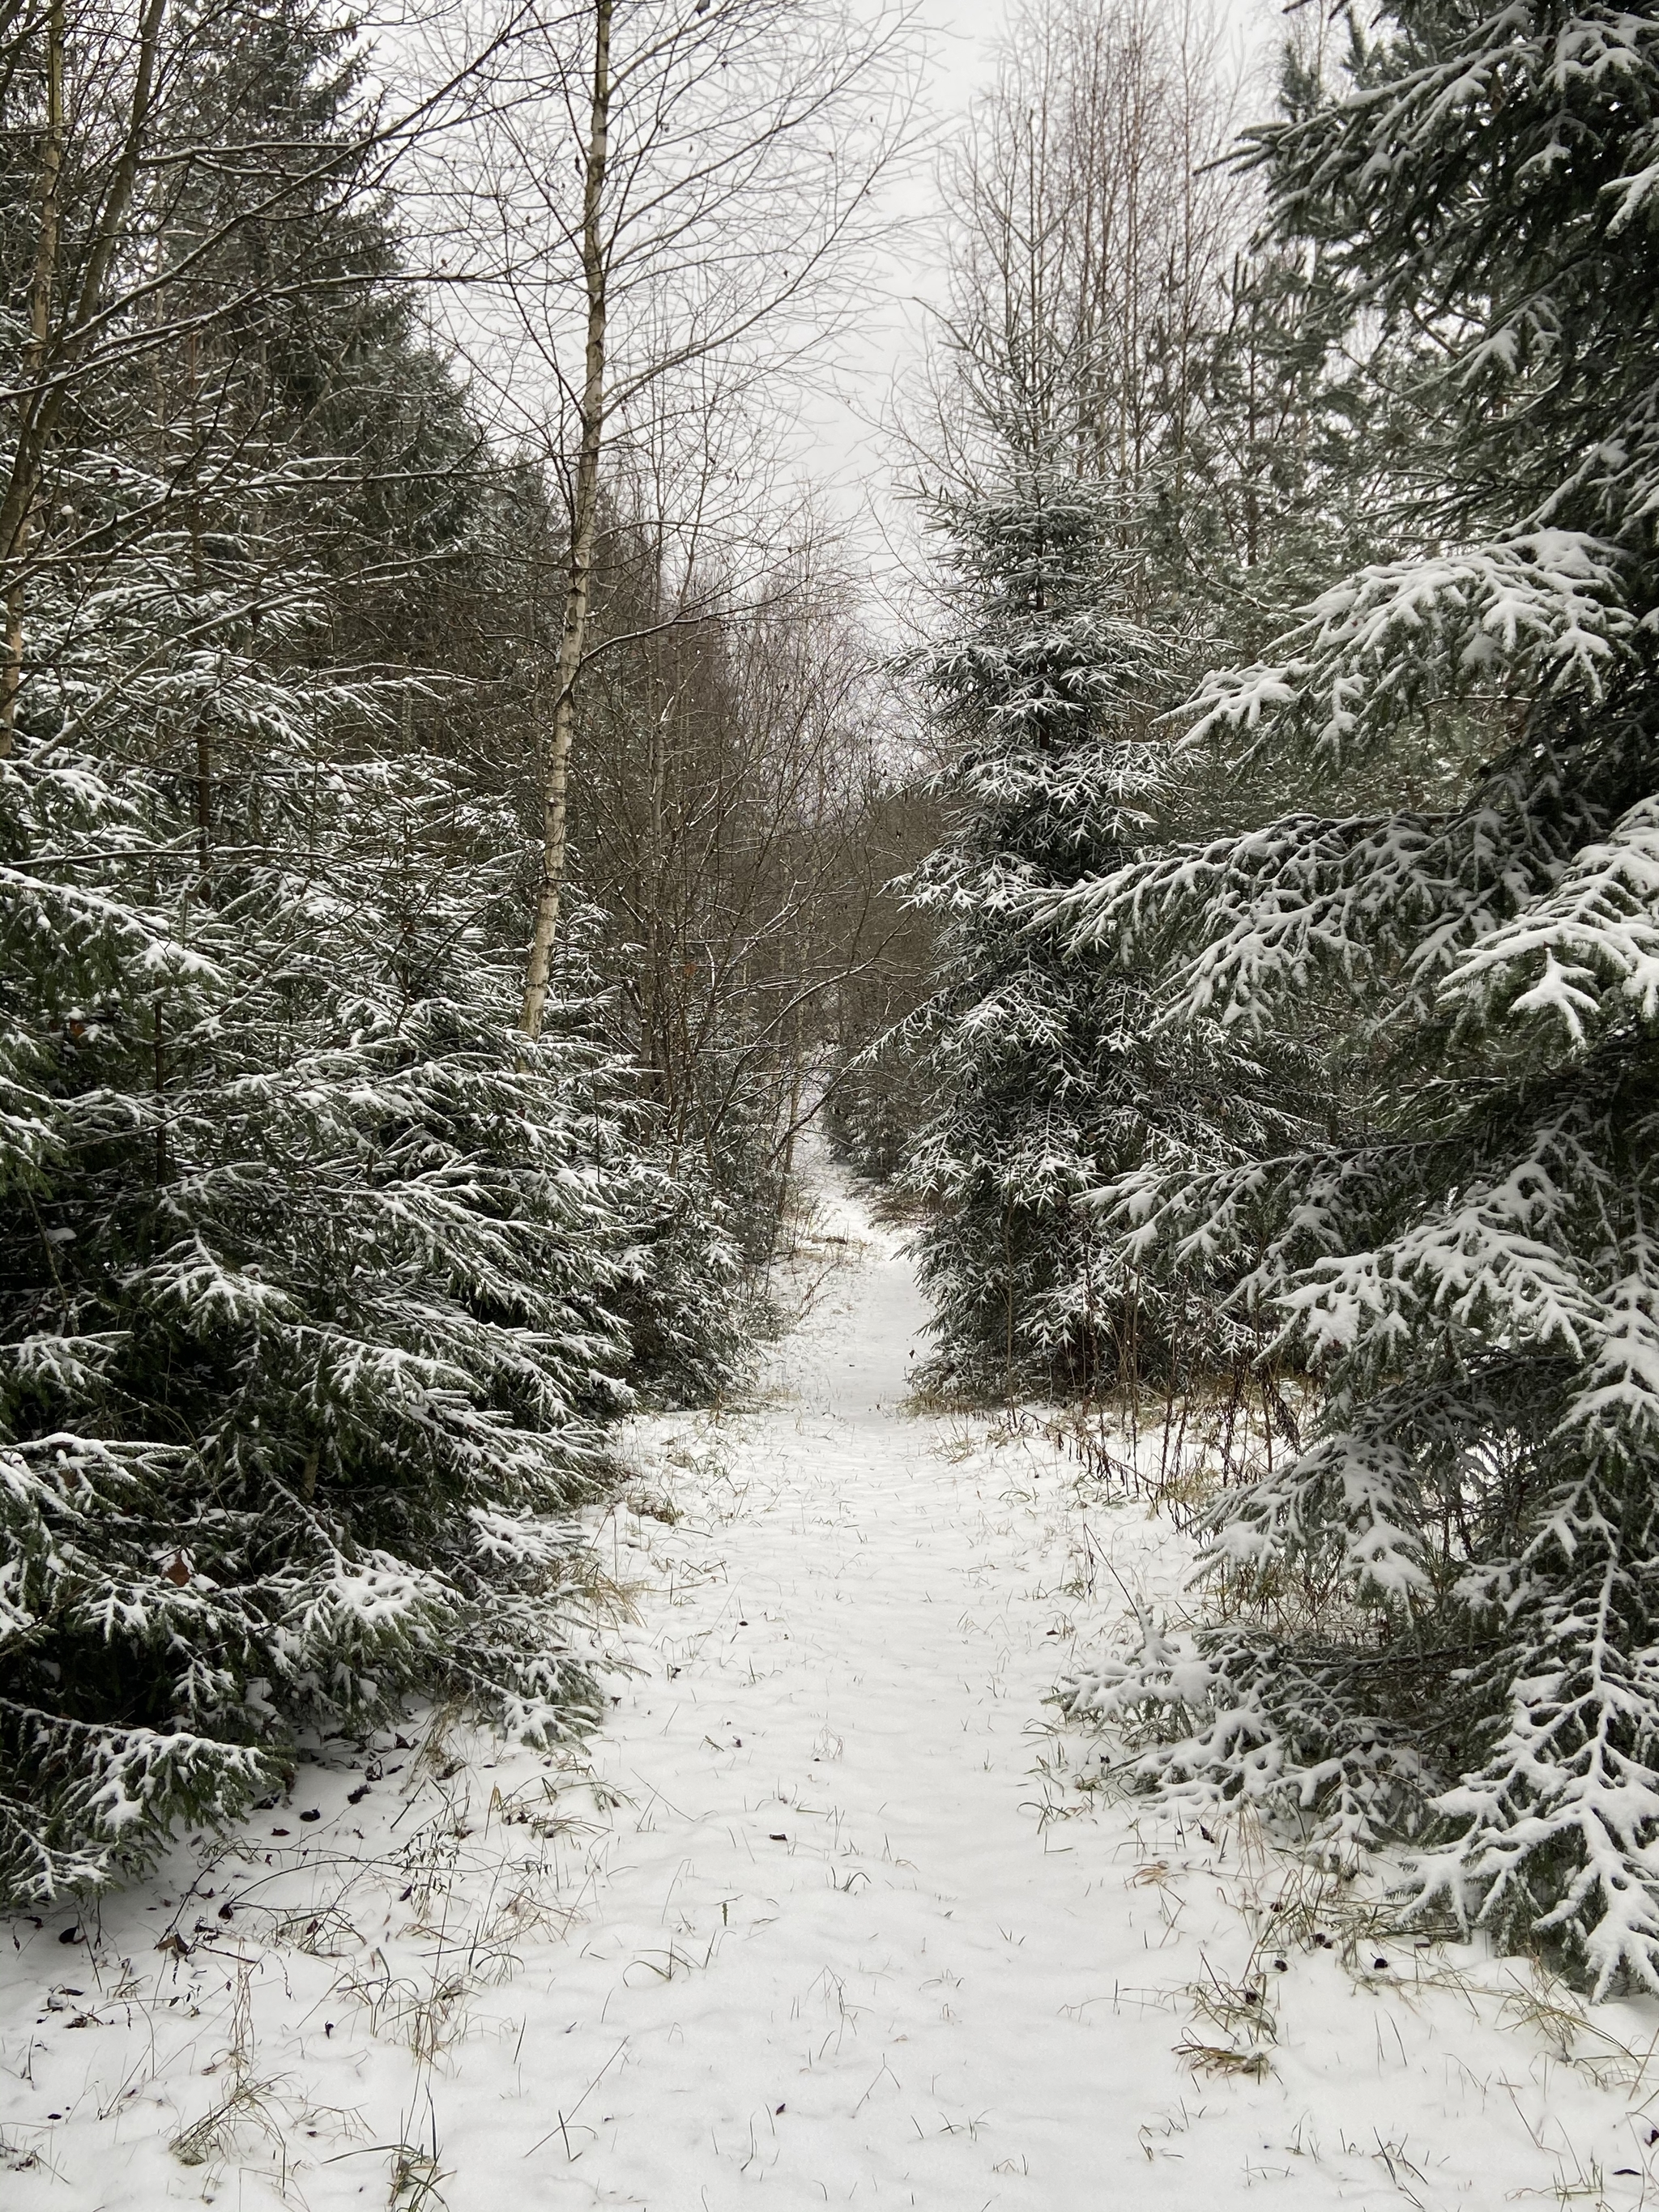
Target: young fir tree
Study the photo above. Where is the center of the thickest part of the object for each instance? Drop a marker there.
(1046, 1082)
(1444, 1616)
(305, 1256)
(302, 1284)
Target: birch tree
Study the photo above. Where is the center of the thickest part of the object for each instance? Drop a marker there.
(1089, 233)
(676, 207)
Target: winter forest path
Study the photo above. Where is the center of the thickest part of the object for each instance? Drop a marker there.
(890, 1983)
(820, 1915)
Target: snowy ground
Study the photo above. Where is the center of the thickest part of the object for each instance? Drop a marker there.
(831, 1913)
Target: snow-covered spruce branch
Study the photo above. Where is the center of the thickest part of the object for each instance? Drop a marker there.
(1584, 952)
(1393, 909)
(1471, 1536)
(1497, 1256)
(1250, 1719)
(1552, 1836)
(1543, 609)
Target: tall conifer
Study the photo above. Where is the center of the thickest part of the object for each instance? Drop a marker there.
(1445, 1616)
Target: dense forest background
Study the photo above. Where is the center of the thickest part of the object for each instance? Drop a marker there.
(466, 809)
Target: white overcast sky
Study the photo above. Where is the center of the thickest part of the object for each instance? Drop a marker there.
(842, 451)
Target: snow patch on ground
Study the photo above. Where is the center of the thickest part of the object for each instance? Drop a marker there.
(832, 1912)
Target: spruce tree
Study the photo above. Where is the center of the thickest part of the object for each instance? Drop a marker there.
(1046, 1082)
(1442, 1617)
(308, 1259)
(304, 1282)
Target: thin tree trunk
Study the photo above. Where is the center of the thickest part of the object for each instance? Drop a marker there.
(42, 285)
(198, 579)
(584, 523)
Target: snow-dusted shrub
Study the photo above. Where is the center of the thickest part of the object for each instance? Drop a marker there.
(1468, 1251)
(881, 1094)
(305, 1255)
(688, 1300)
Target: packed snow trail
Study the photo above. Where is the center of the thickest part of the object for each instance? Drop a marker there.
(846, 1960)
(823, 1915)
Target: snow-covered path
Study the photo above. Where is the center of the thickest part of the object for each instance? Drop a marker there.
(822, 1914)
(840, 1954)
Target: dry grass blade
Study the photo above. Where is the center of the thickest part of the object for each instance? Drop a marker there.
(214, 2135)
(1219, 2058)
(415, 2174)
